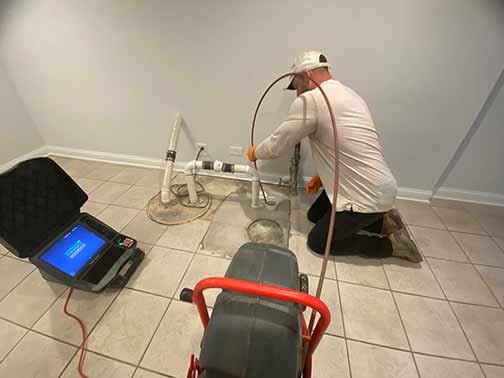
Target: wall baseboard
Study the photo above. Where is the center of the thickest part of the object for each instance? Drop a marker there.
(411, 194)
(456, 194)
(39, 152)
(106, 157)
(145, 162)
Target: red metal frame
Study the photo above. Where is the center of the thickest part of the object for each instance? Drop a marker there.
(268, 291)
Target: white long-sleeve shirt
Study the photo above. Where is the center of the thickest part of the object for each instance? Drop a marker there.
(366, 184)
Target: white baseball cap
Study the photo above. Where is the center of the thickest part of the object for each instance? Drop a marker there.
(308, 60)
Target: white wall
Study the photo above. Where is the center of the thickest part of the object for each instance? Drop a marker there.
(110, 75)
(18, 134)
(481, 166)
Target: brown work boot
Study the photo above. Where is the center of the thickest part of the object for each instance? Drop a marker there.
(392, 222)
(404, 247)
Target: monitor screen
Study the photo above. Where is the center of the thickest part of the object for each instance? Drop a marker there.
(73, 251)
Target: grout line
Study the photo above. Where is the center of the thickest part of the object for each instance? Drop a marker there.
(449, 304)
(342, 319)
(482, 370)
(412, 352)
(453, 312)
(155, 372)
(88, 334)
(67, 365)
(15, 345)
(402, 321)
(152, 337)
(20, 281)
(479, 273)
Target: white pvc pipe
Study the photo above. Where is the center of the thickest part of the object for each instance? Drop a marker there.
(217, 167)
(189, 179)
(255, 193)
(170, 161)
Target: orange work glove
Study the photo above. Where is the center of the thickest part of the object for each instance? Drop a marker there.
(251, 153)
(314, 185)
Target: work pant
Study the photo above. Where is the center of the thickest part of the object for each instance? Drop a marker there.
(354, 233)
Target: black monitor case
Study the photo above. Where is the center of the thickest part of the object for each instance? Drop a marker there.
(38, 200)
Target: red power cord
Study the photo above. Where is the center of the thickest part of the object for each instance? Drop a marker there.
(83, 329)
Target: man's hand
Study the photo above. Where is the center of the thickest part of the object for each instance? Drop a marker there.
(314, 185)
(251, 153)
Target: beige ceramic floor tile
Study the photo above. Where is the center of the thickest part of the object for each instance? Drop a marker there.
(500, 242)
(143, 229)
(105, 171)
(330, 297)
(36, 356)
(186, 237)
(130, 175)
(485, 329)
(128, 325)
(477, 209)
(141, 373)
(361, 270)
(437, 243)
(60, 160)
(330, 359)
(481, 249)
(108, 192)
(28, 301)
(137, 197)
(371, 315)
(461, 282)
(307, 261)
(178, 336)
(494, 277)
(145, 247)
(451, 204)
(88, 185)
(459, 220)
(432, 327)
(435, 367)
(88, 306)
(412, 278)
(93, 208)
(79, 168)
(12, 272)
(211, 211)
(493, 371)
(117, 217)
(492, 223)
(161, 271)
(299, 222)
(98, 366)
(419, 214)
(203, 267)
(371, 361)
(153, 178)
(10, 334)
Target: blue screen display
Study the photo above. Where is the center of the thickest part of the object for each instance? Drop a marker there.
(73, 251)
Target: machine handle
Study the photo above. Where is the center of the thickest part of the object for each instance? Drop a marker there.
(186, 295)
(121, 280)
(268, 291)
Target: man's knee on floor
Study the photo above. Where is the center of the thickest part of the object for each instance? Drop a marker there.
(314, 243)
(313, 216)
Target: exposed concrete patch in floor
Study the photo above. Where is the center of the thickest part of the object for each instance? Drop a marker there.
(231, 221)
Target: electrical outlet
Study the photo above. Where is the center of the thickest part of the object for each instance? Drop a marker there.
(235, 151)
(201, 145)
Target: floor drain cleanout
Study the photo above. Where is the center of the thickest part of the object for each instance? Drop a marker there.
(266, 231)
